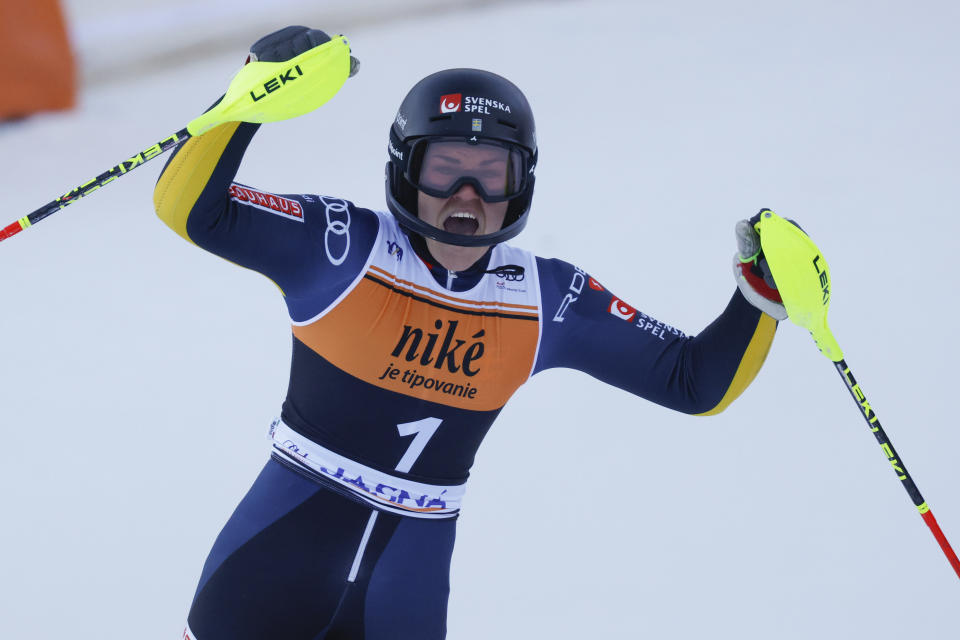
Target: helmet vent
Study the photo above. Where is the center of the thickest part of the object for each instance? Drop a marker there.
(443, 117)
(506, 124)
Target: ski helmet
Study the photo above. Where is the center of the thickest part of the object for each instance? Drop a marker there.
(462, 106)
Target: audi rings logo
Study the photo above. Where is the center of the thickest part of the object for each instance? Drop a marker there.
(337, 213)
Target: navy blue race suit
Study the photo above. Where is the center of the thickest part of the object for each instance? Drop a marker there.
(399, 368)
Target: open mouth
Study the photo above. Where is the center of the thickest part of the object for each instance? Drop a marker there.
(462, 223)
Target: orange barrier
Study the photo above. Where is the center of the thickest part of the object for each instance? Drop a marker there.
(36, 62)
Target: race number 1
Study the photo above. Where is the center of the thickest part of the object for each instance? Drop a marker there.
(424, 429)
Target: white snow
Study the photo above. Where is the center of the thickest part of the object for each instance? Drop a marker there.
(138, 375)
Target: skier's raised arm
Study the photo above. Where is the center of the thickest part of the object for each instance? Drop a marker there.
(588, 328)
(287, 237)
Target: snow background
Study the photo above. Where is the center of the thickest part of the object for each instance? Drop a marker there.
(138, 375)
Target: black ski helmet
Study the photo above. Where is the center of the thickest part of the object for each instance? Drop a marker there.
(467, 105)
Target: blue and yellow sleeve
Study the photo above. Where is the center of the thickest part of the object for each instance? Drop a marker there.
(268, 233)
(310, 246)
(187, 179)
(588, 328)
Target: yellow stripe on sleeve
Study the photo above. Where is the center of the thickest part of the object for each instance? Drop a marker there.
(185, 177)
(750, 364)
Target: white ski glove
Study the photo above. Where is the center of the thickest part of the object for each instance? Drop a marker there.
(752, 272)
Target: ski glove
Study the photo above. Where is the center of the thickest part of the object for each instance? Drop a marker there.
(752, 272)
(288, 43)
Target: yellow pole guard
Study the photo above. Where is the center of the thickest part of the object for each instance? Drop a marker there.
(272, 91)
(802, 277)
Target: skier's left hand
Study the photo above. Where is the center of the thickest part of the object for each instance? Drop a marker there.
(752, 272)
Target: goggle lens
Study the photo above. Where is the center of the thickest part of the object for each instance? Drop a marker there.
(441, 167)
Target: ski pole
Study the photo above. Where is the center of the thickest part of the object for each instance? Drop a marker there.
(873, 422)
(803, 279)
(90, 186)
(259, 92)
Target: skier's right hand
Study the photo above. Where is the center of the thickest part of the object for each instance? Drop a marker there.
(265, 91)
(289, 42)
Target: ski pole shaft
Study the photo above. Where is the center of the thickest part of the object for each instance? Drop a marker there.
(90, 186)
(873, 422)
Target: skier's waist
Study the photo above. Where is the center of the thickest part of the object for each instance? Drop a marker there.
(380, 489)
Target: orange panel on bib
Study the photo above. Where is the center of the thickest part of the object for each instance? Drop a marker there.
(409, 339)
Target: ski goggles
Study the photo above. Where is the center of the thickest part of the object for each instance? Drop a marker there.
(441, 166)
